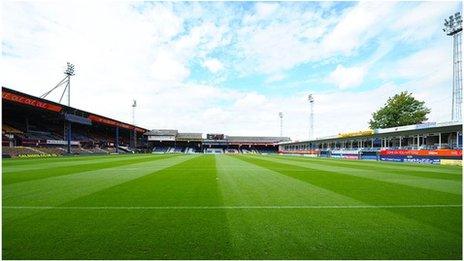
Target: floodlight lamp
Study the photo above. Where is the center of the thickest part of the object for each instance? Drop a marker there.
(458, 19)
(69, 69)
(310, 98)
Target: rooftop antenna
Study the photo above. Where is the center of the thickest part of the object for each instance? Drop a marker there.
(281, 116)
(453, 27)
(66, 81)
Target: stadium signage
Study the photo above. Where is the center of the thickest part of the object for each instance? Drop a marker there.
(106, 121)
(393, 129)
(425, 125)
(345, 154)
(411, 159)
(356, 133)
(438, 153)
(161, 138)
(62, 142)
(36, 155)
(304, 152)
(454, 162)
(30, 101)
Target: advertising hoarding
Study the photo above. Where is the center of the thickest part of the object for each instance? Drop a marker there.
(438, 153)
(30, 101)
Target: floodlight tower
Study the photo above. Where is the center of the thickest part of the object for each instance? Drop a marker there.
(69, 72)
(311, 115)
(134, 104)
(453, 27)
(281, 116)
(65, 81)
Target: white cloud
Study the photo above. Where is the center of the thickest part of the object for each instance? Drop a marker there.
(264, 10)
(167, 24)
(289, 39)
(168, 68)
(358, 25)
(213, 65)
(347, 77)
(250, 99)
(425, 62)
(422, 21)
(295, 37)
(123, 53)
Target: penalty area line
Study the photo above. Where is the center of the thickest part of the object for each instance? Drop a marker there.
(226, 207)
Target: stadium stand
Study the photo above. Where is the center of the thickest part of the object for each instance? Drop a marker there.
(214, 151)
(19, 150)
(173, 141)
(189, 137)
(435, 143)
(35, 126)
(160, 149)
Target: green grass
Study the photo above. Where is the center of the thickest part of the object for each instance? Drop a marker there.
(229, 207)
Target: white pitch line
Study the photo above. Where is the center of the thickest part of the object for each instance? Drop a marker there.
(227, 207)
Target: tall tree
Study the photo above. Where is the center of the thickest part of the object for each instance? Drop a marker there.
(401, 109)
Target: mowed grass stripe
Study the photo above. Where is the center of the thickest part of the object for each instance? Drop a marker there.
(378, 191)
(57, 190)
(456, 175)
(143, 234)
(316, 232)
(180, 184)
(283, 207)
(15, 165)
(374, 192)
(225, 207)
(244, 183)
(24, 162)
(337, 234)
(22, 176)
(448, 186)
(256, 199)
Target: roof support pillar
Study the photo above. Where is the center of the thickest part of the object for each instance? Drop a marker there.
(457, 139)
(117, 140)
(439, 140)
(68, 134)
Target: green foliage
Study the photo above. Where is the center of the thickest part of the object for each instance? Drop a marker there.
(400, 110)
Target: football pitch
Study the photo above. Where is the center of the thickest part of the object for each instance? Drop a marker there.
(229, 207)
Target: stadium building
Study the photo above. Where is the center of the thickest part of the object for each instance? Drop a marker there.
(172, 141)
(32, 126)
(424, 143)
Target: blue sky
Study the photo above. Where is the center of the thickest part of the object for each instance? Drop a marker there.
(230, 67)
